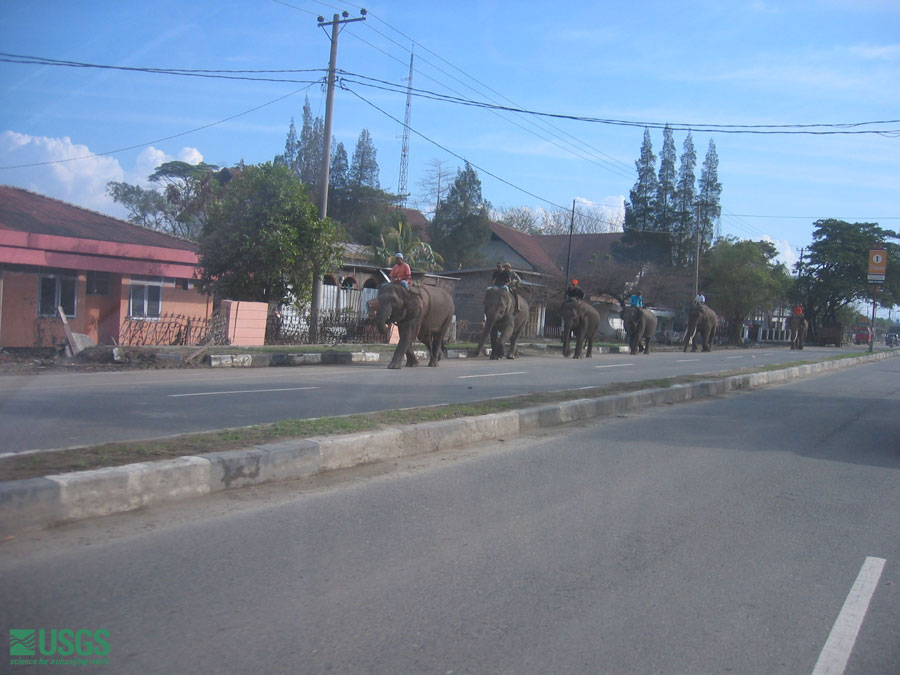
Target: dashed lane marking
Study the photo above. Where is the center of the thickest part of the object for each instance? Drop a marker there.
(517, 372)
(836, 652)
(240, 391)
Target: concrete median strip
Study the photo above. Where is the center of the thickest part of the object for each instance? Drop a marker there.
(42, 502)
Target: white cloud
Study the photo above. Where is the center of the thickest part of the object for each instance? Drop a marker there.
(786, 254)
(59, 168)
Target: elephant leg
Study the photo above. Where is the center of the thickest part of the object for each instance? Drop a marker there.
(590, 345)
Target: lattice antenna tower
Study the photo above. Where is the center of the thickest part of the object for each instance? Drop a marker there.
(404, 152)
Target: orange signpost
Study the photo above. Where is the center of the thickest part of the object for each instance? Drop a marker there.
(877, 266)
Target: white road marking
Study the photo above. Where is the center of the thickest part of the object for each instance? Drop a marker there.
(686, 360)
(836, 652)
(734, 357)
(240, 391)
(616, 365)
(518, 372)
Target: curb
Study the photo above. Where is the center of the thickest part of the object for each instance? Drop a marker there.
(345, 358)
(42, 502)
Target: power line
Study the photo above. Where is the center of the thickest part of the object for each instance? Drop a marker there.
(160, 140)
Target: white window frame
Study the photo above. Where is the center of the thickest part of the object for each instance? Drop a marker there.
(148, 286)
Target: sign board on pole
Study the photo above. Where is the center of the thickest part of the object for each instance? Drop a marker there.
(877, 266)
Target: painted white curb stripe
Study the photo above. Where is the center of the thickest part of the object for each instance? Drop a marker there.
(836, 652)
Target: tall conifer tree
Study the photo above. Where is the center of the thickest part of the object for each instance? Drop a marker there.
(683, 230)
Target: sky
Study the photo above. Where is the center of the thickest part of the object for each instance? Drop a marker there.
(710, 66)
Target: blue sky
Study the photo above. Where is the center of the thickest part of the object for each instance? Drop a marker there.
(693, 63)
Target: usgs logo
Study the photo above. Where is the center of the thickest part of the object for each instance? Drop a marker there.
(58, 642)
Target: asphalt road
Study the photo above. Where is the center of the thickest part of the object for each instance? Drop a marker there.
(58, 410)
(751, 533)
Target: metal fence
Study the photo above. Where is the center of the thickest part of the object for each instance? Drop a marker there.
(290, 327)
(173, 329)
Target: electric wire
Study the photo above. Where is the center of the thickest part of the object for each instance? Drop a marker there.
(159, 140)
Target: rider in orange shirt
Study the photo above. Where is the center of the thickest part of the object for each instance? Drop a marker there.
(401, 271)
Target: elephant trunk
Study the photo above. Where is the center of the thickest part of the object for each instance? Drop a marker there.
(488, 326)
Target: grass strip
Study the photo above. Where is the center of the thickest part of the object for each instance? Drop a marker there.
(39, 464)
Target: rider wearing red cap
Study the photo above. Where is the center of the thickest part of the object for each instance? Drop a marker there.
(574, 292)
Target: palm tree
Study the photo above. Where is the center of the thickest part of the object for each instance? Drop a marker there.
(418, 254)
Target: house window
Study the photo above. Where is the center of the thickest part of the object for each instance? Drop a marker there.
(145, 300)
(56, 291)
(97, 283)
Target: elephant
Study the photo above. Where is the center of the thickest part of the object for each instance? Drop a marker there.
(502, 321)
(797, 325)
(420, 312)
(701, 319)
(640, 324)
(581, 317)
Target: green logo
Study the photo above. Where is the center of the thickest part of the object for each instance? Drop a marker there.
(21, 642)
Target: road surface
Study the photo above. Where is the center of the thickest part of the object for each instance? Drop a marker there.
(751, 533)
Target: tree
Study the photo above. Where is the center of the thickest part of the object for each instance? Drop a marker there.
(435, 183)
(709, 197)
(833, 274)
(683, 230)
(339, 176)
(263, 238)
(180, 209)
(519, 218)
(308, 164)
(742, 277)
(147, 208)
(666, 187)
(364, 165)
(640, 210)
(419, 255)
(289, 158)
(461, 226)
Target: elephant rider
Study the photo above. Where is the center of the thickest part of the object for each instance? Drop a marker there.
(798, 310)
(573, 292)
(509, 280)
(636, 299)
(497, 278)
(700, 299)
(401, 271)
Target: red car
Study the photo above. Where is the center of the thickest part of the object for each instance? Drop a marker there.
(863, 335)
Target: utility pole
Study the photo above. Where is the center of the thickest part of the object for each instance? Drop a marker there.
(569, 254)
(324, 175)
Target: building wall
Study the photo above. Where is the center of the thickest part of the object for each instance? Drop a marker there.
(98, 316)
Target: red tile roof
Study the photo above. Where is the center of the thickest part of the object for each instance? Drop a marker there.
(24, 211)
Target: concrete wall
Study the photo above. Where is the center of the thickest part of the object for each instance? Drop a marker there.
(246, 322)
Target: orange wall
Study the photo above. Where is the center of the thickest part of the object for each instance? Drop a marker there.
(100, 317)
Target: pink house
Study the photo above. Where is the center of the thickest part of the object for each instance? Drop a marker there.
(102, 271)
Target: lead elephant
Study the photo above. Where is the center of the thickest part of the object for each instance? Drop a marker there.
(640, 325)
(797, 326)
(420, 312)
(581, 317)
(502, 321)
(701, 319)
